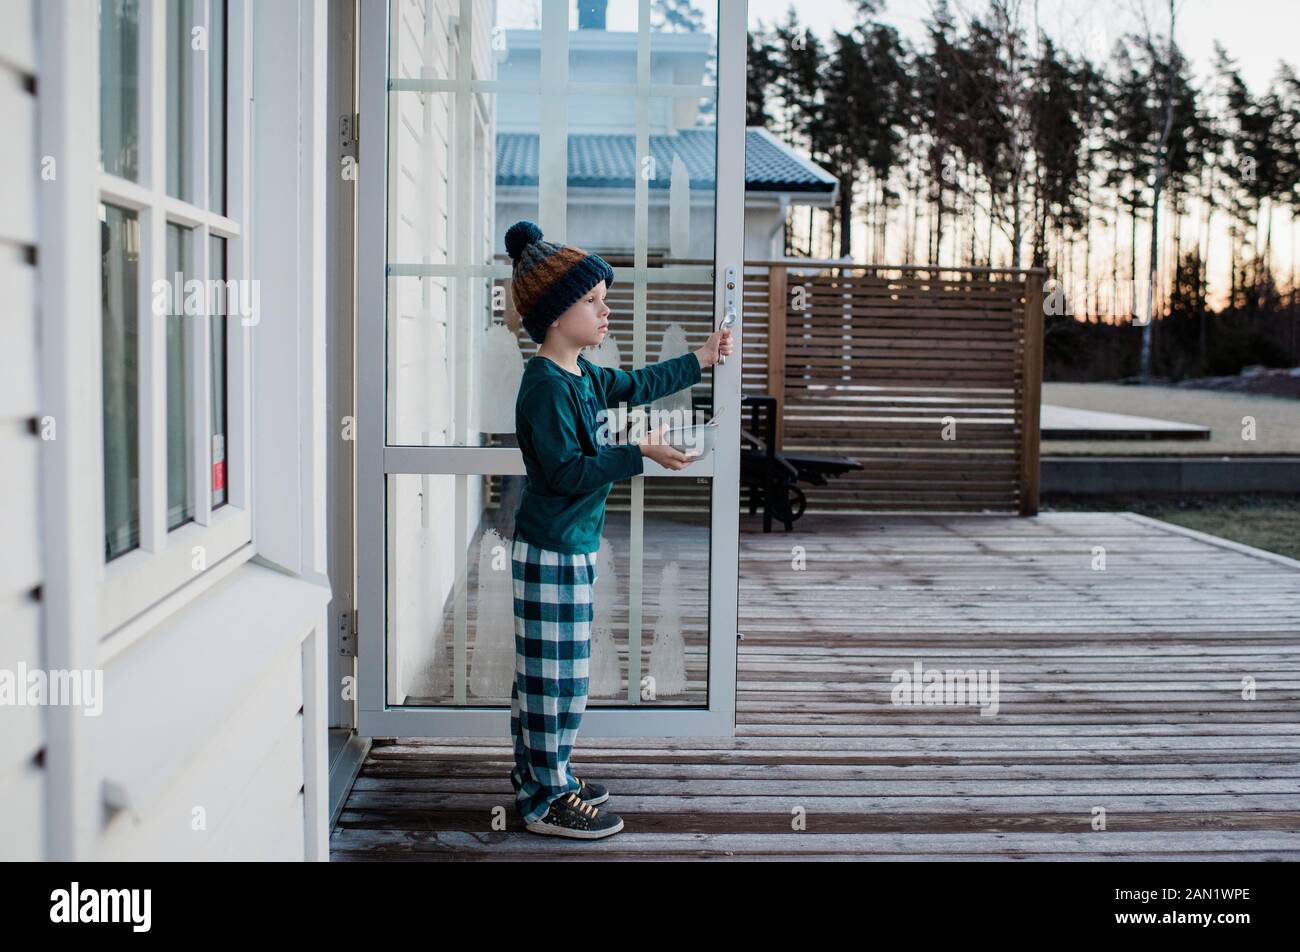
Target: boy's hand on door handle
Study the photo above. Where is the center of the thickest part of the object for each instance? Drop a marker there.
(718, 345)
(666, 456)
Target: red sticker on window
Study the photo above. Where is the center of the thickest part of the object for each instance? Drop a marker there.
(218, 461)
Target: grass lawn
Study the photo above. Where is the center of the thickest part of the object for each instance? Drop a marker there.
(1265, 522)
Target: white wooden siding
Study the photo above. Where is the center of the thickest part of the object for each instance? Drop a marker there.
(22, 728)
(218, 699)
(18, 160)
(250, 769)
(421, 508)
(18, 38)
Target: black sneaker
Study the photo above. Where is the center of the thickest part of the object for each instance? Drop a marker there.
(592, 793)
(569, 816)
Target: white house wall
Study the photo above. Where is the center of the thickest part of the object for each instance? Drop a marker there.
(238, 790)
(212, 743)
(764, 230)
(425, 375)
(603, 56)
(23, 733)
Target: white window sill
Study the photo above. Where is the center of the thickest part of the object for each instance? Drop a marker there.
(138, 580)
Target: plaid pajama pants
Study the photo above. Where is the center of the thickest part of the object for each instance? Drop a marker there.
(553, 613)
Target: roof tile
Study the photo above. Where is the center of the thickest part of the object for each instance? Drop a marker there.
(598, 160)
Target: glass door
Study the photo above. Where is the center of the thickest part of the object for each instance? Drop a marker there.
(617, 127)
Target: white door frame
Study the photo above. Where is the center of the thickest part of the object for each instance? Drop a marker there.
(375, 459)
(341, 311)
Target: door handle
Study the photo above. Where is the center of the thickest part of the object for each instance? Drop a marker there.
(728, 305)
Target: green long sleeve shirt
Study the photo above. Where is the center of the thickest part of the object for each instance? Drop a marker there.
(569, 471)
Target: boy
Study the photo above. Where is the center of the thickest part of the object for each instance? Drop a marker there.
(559, 291)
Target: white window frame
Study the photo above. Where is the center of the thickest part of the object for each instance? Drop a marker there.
(164, 562)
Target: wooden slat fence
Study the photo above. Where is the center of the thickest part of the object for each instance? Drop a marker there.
(931, 377)
(923, 375)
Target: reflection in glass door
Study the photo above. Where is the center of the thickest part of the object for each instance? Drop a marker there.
(608, 126)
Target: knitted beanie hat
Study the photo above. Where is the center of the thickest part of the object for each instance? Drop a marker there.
(548, 278)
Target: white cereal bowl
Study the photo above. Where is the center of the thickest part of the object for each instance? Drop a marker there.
(698, 438)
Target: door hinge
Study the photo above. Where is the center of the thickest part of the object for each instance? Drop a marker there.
(348, 634)
(350, 134)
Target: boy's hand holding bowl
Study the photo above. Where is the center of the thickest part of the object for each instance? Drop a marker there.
(656, 447)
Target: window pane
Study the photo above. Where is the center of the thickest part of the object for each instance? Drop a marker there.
(119, 92)
(119, 232)
(217, 107)
(180, 90)
(217, 270)
(180, 498)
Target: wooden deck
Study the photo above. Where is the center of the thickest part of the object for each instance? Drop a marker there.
(1120, 690)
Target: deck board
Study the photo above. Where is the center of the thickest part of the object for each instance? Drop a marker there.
(1119, 689)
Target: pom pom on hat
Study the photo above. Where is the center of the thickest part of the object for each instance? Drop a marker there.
(520, 236)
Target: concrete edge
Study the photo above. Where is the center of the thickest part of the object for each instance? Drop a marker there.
(1213, 540)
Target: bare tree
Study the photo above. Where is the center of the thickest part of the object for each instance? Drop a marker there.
(1171, 66)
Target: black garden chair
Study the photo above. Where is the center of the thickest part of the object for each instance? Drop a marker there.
(771, 475)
